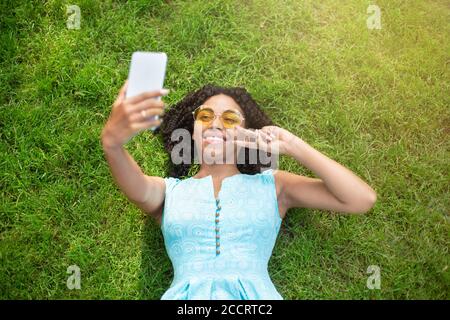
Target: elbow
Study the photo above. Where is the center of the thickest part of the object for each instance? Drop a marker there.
(365, 205)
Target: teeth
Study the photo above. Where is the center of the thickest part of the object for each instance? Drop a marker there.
(217, 137)
(213, 136)
(214, 139)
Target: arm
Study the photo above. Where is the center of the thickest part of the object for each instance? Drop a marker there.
(144, 191)
(128, 118)
(338, 189)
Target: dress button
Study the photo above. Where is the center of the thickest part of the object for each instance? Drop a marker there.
(218, 244)
(217, 236)
(217, 229)
(217, 214)
(217, 251)
(217, 220)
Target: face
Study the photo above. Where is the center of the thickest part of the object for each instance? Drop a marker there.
(214, 139)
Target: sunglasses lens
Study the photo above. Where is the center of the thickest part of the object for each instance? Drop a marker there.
(231, 119)
(205, 115)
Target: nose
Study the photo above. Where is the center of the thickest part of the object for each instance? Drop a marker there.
(217, 123)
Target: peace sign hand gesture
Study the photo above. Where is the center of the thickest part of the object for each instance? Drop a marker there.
(271, 139)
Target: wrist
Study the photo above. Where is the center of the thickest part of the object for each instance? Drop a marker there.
(294, 147)
(108, 143)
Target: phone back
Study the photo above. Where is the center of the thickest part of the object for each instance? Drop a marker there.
(147, 72)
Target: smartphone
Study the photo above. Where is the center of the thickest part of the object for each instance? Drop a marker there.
(147, 73)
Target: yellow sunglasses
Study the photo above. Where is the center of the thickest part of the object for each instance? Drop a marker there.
(230, 118)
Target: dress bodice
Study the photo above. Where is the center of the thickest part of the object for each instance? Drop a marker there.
(220, 248)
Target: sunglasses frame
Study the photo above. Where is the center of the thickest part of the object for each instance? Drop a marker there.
(204, 106)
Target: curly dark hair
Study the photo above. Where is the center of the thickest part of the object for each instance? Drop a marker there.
(180, 116)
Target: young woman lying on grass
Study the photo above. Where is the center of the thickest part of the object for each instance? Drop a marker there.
(220, 225)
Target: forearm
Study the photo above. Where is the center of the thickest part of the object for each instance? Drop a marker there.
(341, 182)
(126, 173)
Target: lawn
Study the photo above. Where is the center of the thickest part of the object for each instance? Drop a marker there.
(375, 100)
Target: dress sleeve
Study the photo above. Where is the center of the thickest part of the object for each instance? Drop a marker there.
(267, 176)
(268, 179)
(170, 183)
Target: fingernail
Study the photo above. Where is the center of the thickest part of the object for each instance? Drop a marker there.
(164, 91)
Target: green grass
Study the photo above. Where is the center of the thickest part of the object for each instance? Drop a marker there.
(376, 101)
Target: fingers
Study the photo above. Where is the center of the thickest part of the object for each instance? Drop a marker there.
(248, 139)
(246, 132)
(145, 115)
(246, 144)
(261, 139)
(147, 104)
(258, 134)
(260, 145)
(270, 130)
(121, 95)
(123, 90)
(145, 110)
(146, 124)
(246, 135)
(265, 136)
(147, 95)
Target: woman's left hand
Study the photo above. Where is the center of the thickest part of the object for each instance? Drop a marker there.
(271, 139)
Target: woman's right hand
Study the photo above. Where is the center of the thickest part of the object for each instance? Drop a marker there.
(129, 116)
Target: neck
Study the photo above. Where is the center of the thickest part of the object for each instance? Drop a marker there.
(217, 170)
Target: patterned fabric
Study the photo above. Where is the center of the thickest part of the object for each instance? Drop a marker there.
(221, 249)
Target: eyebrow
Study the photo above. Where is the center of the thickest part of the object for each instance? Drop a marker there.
(228, 108)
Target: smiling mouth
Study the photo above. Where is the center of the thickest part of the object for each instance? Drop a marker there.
(214, 140)
(214, 137)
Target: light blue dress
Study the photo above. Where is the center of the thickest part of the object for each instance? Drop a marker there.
(220, 248)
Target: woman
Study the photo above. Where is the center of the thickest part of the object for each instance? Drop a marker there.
(220, 225)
